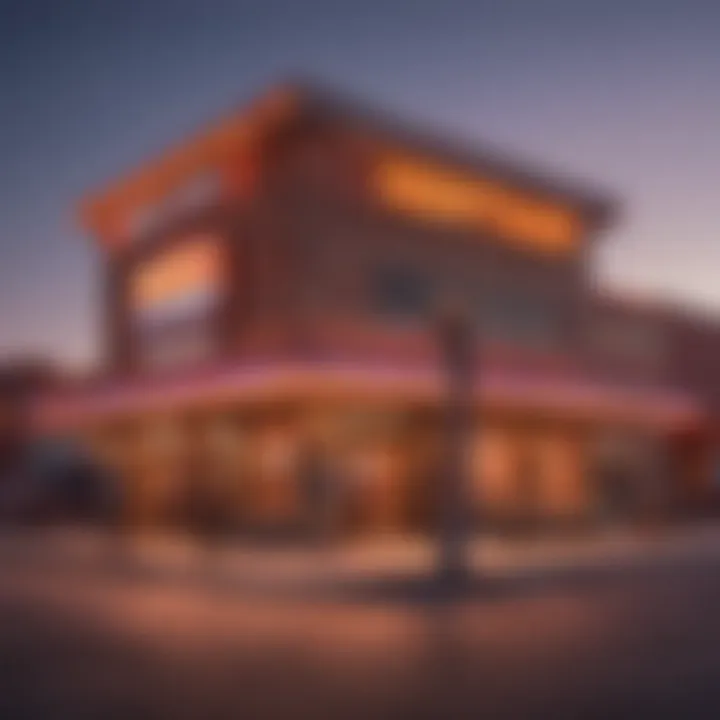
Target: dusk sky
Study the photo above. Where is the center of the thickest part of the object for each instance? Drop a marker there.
(622, 94)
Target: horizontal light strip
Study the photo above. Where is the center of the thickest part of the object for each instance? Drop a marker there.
(300, 380)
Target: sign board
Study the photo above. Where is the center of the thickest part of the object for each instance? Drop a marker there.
(437, 194)
(173, 298)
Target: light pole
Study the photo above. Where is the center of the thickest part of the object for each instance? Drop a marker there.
(456, 340)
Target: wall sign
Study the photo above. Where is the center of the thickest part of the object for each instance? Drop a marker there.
(173, 298)
(440, 195)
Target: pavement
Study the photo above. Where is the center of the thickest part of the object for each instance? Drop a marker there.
(354, 565)
(87, 632)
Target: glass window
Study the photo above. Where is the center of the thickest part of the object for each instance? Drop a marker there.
(516, 314)
(401, 293)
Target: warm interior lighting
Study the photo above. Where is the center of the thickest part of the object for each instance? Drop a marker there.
(436, 194)
(559, 463)
(494, 457)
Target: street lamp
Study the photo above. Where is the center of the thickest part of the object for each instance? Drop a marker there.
(456, 342)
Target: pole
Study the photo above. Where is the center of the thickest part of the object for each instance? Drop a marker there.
(457, 346)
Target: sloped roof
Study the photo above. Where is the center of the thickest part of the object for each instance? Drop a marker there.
(289, 101)
(480, 158)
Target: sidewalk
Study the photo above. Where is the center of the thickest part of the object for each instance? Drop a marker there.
(178, 559)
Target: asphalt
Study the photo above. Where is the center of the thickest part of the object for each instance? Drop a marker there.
(89, 640)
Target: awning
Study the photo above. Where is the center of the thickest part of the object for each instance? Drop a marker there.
(581, 399)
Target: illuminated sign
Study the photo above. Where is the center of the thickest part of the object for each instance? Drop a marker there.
(439, 195)
(172, 299)
(191, 269)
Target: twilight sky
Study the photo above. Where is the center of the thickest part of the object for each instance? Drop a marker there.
(624, 94)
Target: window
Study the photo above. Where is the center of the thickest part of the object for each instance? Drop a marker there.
(517, 314)
(401, 294)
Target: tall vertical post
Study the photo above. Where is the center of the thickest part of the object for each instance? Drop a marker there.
(458, 356)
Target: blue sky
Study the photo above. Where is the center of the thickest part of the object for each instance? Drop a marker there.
(622, 94)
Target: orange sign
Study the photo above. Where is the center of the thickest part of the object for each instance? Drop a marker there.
(440, 195)
(191, 266)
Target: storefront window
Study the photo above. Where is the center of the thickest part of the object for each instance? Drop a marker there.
(494, 471)
(561, 478)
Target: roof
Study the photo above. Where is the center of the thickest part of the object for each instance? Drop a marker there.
(287, 102)
(474, 158)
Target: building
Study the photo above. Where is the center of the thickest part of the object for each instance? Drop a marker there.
(270, 292)
(21, 380)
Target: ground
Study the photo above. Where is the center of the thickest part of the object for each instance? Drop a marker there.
(77, 641)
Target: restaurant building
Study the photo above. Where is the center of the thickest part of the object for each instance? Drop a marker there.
(270, 293)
